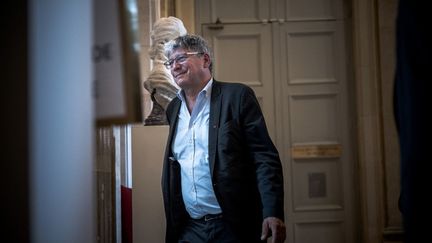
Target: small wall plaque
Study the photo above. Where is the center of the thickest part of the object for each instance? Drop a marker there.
(316, 151)
(317, 185)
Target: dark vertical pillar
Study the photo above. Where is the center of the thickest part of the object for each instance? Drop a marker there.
(14, 120)
(413, 72)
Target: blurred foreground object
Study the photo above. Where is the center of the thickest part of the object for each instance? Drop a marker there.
(116, 84)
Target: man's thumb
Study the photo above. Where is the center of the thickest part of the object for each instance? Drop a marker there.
(264, 231)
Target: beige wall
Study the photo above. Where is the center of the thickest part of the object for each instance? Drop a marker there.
(148, 145)
(185, 10)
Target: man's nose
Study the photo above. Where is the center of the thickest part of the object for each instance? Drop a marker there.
(175, 64)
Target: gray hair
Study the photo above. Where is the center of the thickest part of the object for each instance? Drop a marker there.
(190, 43)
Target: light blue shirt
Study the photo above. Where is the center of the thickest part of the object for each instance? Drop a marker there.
(190, 148)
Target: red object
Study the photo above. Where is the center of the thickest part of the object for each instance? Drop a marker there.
(126, 214)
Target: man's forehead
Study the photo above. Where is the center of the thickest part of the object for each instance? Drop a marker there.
(178, 51)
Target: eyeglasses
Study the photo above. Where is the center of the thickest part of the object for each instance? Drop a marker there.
(180, 59)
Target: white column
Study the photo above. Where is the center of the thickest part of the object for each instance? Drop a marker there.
(148, 13)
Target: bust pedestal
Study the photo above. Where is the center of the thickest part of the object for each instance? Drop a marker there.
(148, 216)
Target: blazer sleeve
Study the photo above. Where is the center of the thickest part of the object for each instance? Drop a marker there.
(268, 166)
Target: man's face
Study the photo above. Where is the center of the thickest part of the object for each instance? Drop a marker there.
(188, 68)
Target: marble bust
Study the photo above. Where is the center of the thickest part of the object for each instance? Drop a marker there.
(160, 82)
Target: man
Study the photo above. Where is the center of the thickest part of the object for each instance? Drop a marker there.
(222, 177)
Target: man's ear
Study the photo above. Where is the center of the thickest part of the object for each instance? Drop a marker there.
(207, 60)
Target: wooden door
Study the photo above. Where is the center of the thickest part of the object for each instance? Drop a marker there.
(293, 54)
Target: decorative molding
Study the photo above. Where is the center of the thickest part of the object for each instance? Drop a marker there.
(370, 151)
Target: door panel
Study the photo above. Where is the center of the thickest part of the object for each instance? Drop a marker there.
(321, 231)
(227, 11)
(243, 54)
(315, 111)
(307, 10)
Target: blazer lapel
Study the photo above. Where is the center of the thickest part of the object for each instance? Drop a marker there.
(215, 108)
(173, 118)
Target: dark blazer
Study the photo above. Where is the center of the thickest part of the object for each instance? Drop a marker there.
(244, 163)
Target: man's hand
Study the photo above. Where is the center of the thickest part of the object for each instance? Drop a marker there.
(277, 228)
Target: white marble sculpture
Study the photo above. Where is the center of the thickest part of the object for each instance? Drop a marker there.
(160, 82)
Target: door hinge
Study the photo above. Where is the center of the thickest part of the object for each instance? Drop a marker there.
(216, 26)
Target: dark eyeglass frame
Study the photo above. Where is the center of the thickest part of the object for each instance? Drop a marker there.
(181, 58)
